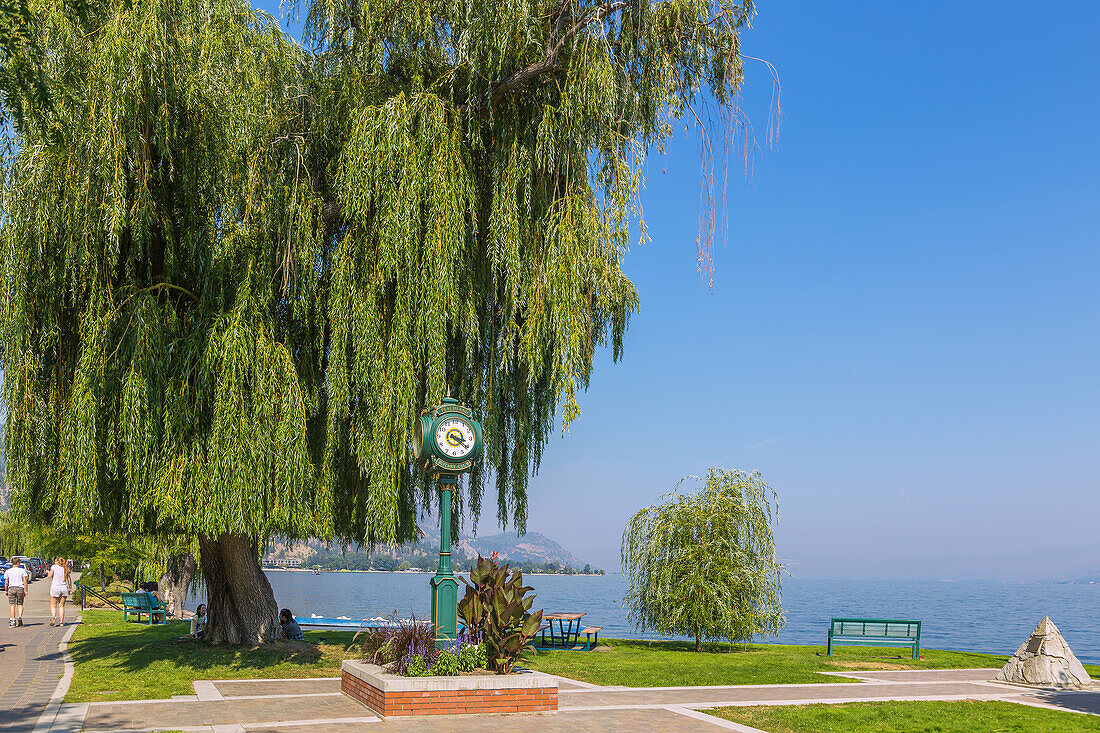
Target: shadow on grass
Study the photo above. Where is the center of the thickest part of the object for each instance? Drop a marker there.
(134, 648)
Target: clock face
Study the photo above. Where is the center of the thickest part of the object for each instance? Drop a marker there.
(455, 438)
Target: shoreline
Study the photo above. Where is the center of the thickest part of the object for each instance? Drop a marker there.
(422, 572)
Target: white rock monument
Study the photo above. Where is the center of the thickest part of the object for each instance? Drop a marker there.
(1045, 659)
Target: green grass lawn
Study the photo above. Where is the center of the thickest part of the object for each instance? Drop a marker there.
(130, 661)
(909, 717)
(673, 663)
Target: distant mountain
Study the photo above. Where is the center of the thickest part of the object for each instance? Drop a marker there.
(532, 552)
(510, 546)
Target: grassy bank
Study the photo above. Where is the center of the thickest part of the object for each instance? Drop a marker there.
(120, 661)
(909, 717)
(636, 663)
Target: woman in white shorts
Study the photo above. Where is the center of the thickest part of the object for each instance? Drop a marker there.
(61, 587)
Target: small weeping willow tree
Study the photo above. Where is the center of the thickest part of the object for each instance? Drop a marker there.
(235, 268)
(703, 564)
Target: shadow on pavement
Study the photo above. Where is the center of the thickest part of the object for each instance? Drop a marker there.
(1085, 701)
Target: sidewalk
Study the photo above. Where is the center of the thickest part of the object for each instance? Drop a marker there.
(317, 706)
(30, 663)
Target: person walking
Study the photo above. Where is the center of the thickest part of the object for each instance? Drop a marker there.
(61, 587)
(17, 581)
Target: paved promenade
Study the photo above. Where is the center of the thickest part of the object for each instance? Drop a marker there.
(30, 663)
(295, 706)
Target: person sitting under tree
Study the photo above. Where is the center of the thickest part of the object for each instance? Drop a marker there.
(17, 582)
(291, 630)
(198, 622)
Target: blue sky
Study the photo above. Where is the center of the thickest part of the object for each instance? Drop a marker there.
(901, 335)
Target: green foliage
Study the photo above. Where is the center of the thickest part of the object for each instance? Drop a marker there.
(468, 658)
(416, 667)
(233, 283)
(445, 665)
(496, 606)
(24, 85)
(703, 564)
(124, 555)
(481, 656)
(398, 643)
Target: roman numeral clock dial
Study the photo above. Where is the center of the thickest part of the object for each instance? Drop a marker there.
(447, 439)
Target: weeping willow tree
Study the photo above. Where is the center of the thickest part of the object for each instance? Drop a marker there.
(235, 268)
(703, 564)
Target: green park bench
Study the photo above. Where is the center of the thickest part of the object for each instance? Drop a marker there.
(874, 632)
(143, 603)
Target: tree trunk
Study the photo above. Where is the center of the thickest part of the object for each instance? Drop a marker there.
(179, 571)
(698, 641)
(102, 580)
(240, 604)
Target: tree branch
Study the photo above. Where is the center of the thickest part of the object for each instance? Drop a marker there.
(559, 36)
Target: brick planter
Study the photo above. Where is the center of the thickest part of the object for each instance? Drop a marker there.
(390, 695)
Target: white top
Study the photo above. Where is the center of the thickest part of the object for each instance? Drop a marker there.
(16, 577)
(58, 583)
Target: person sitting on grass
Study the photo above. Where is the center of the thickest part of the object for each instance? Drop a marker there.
(291, 630)
(198, 622)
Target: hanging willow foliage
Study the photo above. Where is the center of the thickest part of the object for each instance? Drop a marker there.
(703, 564)
(234, 268)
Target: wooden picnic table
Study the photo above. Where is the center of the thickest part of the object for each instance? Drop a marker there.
(573, 617)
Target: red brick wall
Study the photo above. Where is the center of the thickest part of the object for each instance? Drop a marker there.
(453, 702)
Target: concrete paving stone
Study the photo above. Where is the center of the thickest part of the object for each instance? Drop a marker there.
(614, 721)
(924, 675)
(30, 667)
(102, 717)
(764, 695)
(245, 688)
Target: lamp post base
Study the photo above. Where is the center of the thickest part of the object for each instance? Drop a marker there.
(444, 609)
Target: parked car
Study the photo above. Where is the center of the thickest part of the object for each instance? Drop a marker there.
(40, 567)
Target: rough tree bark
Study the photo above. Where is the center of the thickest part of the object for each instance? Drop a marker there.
(179, 571)
(240, 603)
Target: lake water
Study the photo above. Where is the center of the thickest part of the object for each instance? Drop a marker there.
(966, 616)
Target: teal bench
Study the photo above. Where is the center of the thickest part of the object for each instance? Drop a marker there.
(874, 632)
(138, 604)
(589, 633)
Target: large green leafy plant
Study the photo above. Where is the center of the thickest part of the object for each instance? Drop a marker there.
(496, 604)
(703, 564)
(234, 267)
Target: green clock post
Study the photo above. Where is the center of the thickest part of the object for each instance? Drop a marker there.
(446, 442)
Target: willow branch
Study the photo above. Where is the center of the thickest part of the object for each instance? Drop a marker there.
(559, 36)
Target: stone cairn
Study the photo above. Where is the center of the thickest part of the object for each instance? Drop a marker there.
(1045, 660)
